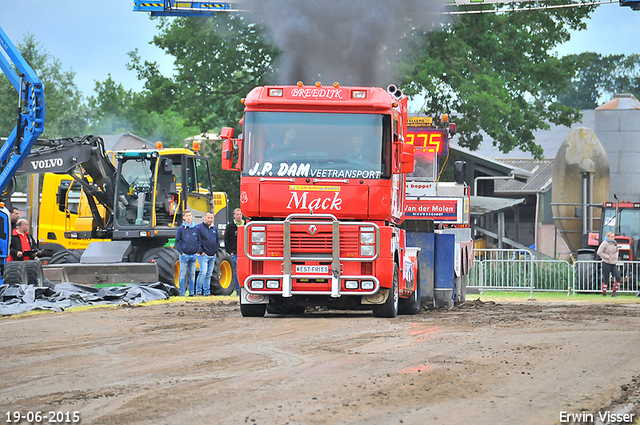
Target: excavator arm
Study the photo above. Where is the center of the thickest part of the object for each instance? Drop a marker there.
(29, 126)
(85, 160)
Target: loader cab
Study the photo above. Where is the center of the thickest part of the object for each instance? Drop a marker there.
(153, 188)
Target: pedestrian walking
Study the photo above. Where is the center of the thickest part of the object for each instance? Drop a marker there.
(608, 251)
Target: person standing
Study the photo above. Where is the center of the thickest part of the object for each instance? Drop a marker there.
(23, 246)
(187, 244)
(15, 215)
(608, 251)
(231, 245)
(208, 236)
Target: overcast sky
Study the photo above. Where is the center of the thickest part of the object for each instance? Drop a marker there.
(92, 37)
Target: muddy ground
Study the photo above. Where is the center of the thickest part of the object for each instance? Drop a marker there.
(202, 363)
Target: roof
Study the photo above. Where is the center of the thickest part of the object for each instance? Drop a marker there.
(550, 140)
(481, 205)
(621, 101)
(122, 141)
(540, 181)
(490, 166)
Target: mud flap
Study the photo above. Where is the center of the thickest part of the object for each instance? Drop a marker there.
(249, 298)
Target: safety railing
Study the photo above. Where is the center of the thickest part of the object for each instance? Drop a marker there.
(588, 276)
(519, 270)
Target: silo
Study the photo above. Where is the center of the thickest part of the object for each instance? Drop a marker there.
(617, 125)
(580, 176)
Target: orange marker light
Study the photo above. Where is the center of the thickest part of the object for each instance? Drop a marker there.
(158, 145)
(196, 146)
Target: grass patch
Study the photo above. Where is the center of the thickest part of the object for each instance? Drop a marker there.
(559, 297)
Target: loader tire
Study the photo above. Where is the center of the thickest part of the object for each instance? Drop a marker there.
(33, 269)
(222, 277)
(68, 256)
(168, 262)
(15, 273)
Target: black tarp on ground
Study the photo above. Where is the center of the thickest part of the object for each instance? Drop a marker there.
(15, 299)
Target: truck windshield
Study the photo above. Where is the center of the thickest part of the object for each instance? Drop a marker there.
(320, 145)
(135, 191)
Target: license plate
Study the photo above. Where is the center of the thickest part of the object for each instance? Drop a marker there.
(312, 269)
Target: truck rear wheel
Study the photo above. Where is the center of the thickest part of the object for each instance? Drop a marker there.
(168, 262)
(15, 273)
(390, 306)
(411, 305)
(33, 269)
(222, 277)
(68, 256)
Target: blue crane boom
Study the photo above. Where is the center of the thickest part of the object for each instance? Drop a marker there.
(29, 126)
(182, 8)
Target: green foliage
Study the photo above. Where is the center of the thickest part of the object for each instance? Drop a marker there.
(217, 60)
(66, 113)
(496, 73)
(116, 110)
(598, 78)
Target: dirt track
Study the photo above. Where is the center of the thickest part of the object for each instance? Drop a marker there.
(201, 362)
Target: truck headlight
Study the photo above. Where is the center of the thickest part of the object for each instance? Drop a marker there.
(258, 237)
(367, 285)
(351, 284)
(257, 250)
(367, 238)
(257, 284)
(367, 250)
(273, 284)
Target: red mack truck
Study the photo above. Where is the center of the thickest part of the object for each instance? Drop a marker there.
(323, 180)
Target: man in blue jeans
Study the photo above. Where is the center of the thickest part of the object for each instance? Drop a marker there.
(187, 244)
(208, 236)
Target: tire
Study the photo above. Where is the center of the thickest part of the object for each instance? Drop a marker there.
(277, 308)
(253, 310)
(68, 256)
(33, 269)
(390, 307)
(15, 273)
(168, 262)
(411, 305)
(222, 277)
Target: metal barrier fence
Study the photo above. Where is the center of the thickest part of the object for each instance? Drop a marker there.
(519, 270)
(588, 276)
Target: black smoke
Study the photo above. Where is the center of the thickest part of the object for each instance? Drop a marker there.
(354, 42)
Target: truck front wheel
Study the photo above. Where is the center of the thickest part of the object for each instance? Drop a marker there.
(390, 306)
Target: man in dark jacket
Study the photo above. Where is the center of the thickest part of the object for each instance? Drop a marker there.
(187, 244)
(23, 246)
(231, 244)
(208, 236)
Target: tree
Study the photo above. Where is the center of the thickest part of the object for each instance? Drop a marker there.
(217, 61)
(598, 78)
(495, 72)
(66, 113)
(116, 110)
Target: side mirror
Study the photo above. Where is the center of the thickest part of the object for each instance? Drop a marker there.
(226, 133)
(459, 171)
(61, 196)
(227, 153)
(407, 158)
